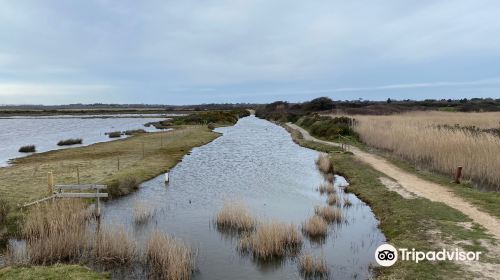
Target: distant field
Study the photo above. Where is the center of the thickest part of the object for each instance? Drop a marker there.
(440, 141)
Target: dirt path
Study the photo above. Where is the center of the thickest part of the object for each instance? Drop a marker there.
(418, 186)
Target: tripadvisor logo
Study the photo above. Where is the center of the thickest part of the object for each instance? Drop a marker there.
(387, 255)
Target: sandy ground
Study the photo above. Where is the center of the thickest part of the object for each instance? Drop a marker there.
(415, 185)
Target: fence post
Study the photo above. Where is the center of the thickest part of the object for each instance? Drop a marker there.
(50, 182)
(458, 175)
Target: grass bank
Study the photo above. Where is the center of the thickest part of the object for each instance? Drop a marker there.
(410, 223)
(51, 272)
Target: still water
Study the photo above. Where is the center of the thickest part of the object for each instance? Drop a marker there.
(256, 162)
(45, 132)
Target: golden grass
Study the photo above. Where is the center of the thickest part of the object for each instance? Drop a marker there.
(326, 187)
(26, 180)
(142, 212)
(311, 266)
(235, 216)
(272, 240)
(114, 246)
(324, 164)
(169, 258)
(333, 199)
(415, 137)
(330, 214)
(315, 227)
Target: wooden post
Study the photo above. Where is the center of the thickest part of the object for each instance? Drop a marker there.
(458, 175)
(78, 175)
(50, 182)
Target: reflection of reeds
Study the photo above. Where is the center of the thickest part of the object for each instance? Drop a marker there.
(326, 187)
(324, 164)
(169, 258)
(311, 266)
(235, 216)
(142, 213)
(333, 199)
(315, 227)
(114, 246)
(272, 239)
(330, 214)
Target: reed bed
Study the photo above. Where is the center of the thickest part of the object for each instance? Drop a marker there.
(333, 199)
(330, 214)
(142, 212)
(312, 267)
(315, 227)
(169, 258)
(272, 240)
(324, 164)
(27, 149)
(327, 188)
(430, 141)
(69, 142)
(235, 216)
(114, 246)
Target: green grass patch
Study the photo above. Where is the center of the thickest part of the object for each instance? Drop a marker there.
(54, 272)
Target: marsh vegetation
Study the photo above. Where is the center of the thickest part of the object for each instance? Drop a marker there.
(69, 142)
(27, 149)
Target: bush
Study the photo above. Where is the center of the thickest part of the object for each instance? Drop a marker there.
(329, 128)
(114, 134)
(27, 149)
(134, 131)
(69, 142)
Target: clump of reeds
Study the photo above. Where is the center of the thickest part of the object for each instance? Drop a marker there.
(330, 214)
(311, 266)
(114, 134)
(333, 199)
(272, 240)
(27, 149)
(134, 131)
(169, 258)
(142, 213)
(235, 216)
(69, 142)
(327, 188)
(57, 232)
(324, 164)
(329, 177)
(114, 246)
(347, 202)
(315, 227)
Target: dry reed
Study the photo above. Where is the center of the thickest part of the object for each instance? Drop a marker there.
(333, 199)
(272, 240)
(235, 216)
(315, 227)
(417, 137)
(324, 164)
(114, 246)
(330, 214)
(142, 212)
(169, 258)
(326, 187)
(311, 266)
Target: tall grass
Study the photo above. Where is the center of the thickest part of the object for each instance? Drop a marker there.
(324, 164)
(142, 212)
(330, 214)
(333, 199)
(27, 149)
(169, 258)
(235, 216)
(312, 267)
(420, 139)
(315, 227)
(272, 240)
(114, 246)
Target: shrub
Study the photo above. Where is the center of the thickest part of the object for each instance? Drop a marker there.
(272, 240)
(69, 142)
(235, 216)
(312, 267)
(315, 227)
(27, 149)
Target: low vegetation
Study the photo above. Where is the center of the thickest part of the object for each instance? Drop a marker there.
(58, 271)
(27, 149)
(328, 128)
(142, 213)
(323, 163)
(114, 134)
(4, 211)
(272, 240)
(315, 227)
(327, 188)
(312, 267)
(169, 258)
(69, 142)
(333, 199)
(235, 216)
(329, 214)
(114, 246)
(134, 132)
(212, 118)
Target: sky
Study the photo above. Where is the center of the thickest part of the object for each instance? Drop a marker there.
(228, 51)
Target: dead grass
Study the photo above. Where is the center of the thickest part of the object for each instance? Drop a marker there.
(417, 138)
(114, 246)
(333, 199)
(315, 227)
(327, 188)
(324, 164)
(312, 267)
(142, 212)
(272, 240)
(330, 214)
(169, 258)
(235, 216)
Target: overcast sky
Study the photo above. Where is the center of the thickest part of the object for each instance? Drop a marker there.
(187, 52)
